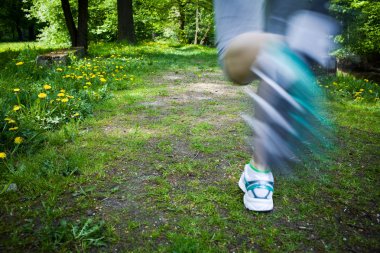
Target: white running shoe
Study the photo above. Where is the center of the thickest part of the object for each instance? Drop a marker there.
(258, 188)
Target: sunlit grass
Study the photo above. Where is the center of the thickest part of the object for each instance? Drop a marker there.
(18, 46)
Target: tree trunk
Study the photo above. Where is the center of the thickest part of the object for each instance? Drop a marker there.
(205, 35)
(82, 35)
(19, 32)
(196, 26)
(181, 21)
(126, 28)
(69, 22)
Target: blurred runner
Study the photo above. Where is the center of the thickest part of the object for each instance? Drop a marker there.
(273, 41)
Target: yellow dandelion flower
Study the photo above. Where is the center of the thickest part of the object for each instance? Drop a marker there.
(7, 119)
(3, 155)
(88, 83)
(62, 90)
(13, 128)
(19, 63)
(16, 108)
(103, 80)
(59, 69)
(76, 115)
(42, 95)
(65, 100)
(366, 80)
(361, 90)
(18, 140)
(47, 87)
(58, 99)
(10, 121)
(16, 89)
(61, 94)
(79, 77)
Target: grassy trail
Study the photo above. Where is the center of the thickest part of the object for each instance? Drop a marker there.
(158, 169)
(183, 149)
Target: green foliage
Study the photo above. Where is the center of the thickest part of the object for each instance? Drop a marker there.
(159, 20)
(154, 20)
(50, 15)
(102, 20)
(361, 26)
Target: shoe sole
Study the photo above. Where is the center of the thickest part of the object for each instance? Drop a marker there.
(254, 204)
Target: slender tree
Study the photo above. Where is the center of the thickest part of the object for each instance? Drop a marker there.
(78, 35)
(126, 28)
(196, 24)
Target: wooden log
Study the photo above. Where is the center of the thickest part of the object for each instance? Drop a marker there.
(60, 56)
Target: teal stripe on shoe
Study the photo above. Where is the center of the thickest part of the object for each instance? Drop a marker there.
(251, 185)
(260, 185)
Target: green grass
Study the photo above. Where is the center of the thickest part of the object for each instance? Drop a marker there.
(155, 168)
(17, 46)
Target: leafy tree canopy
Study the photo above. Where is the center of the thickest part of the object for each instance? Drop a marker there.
(361, 26)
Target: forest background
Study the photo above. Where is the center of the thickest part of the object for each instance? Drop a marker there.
(181, 21)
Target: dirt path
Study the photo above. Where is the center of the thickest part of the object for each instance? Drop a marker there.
(189, 138)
